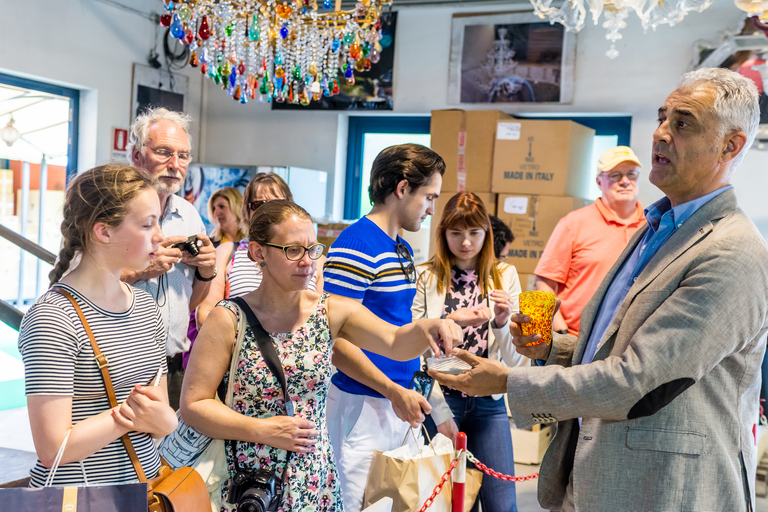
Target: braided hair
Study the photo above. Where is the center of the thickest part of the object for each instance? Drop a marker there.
(100, 194)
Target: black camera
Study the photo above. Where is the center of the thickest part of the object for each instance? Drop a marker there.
(255, 490)
(191, 245)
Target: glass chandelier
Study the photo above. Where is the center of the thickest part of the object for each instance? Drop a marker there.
(277, 49)
(573, 13)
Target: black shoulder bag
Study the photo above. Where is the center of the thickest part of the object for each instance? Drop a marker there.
(260, 489)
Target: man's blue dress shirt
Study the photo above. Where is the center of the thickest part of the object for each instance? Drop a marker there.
(663, 220)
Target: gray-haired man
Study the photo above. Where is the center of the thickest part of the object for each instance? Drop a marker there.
(160, 145)
(656, 399)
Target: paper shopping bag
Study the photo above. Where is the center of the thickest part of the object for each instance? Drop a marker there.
(409, 475)
(97, 498)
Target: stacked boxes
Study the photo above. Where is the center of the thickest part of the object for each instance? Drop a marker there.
(536, 170)
(328, 232)
(532, 219)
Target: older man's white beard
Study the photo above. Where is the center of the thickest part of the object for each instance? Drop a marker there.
(167, 190)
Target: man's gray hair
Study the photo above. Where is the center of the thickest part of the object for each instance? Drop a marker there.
(145, 120)
(736, 101)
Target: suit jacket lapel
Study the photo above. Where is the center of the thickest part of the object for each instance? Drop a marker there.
(698, 226)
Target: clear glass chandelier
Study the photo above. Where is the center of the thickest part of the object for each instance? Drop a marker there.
(573, 13)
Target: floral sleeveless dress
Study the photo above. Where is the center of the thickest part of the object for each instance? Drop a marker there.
(305, 354)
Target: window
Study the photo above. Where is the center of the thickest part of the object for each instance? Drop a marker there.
(367, 137)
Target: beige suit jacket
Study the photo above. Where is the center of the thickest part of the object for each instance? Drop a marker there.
(669, 401)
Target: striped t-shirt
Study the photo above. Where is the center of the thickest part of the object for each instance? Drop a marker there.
(59, 360)
(245, 275)
(363, 264)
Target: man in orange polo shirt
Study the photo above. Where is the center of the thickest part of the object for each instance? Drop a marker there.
(587, 242)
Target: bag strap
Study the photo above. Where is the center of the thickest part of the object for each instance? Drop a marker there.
(268, 352)
(103, 363)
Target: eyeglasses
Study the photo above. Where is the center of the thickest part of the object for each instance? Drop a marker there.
(254, 205)
(409, 268)
(296, 252)
(617, 176)
(163, 154)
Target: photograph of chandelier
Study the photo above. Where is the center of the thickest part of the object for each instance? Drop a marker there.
(509, 58)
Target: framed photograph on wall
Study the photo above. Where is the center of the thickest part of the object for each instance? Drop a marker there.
(157, 88)
(510, 58)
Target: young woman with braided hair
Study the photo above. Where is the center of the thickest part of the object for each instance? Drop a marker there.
(110, 223)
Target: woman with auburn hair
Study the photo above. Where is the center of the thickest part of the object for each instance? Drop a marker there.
(110, 224)
(466, 283)
(225, 210)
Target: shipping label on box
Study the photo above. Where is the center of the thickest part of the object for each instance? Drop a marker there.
(543, 157)
(532, 220)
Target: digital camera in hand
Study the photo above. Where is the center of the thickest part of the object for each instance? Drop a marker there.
(191, 246)
(256, 490)
(450, 365)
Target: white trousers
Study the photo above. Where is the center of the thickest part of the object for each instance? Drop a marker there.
(358, 425)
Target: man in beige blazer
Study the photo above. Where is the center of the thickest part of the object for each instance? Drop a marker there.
(656, 399)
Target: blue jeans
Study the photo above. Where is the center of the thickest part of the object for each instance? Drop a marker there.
(486, 424)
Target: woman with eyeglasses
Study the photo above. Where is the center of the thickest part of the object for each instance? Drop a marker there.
(242, 275)
(465, 282)
(305, 327)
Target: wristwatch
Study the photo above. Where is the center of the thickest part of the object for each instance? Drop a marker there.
(561, 331)
(205, 279)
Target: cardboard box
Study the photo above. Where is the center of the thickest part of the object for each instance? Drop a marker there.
(465, 140)
(532, 219)
(487, 197)
(527, 282)
(543, 157)
(328, 232)
(529, 446)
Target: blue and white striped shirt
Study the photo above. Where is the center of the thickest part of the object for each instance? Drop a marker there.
(363, 264)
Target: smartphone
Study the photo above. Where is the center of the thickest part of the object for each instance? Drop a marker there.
(422, 383)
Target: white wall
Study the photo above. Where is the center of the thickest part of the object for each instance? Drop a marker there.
(92, 46)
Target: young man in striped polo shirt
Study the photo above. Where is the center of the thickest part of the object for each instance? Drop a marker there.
(370, 263)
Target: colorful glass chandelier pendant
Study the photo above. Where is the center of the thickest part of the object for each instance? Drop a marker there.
(278, 49)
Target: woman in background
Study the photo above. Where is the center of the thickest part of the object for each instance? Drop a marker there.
(466, 283)
(111, 222)
(225, 210)
(241, 274)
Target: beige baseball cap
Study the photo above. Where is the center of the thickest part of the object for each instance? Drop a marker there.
(614, 157)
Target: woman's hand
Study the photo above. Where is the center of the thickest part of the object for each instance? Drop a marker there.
(471, 317)
(449, 429)
(443, 335)
(146, 410)
(289, 433)
(502, 308)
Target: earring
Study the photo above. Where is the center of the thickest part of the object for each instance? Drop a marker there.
(262, 264)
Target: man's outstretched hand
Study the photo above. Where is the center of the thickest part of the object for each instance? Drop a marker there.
(487, 376)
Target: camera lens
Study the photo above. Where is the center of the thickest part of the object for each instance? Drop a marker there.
(253, 500)
(192, 248)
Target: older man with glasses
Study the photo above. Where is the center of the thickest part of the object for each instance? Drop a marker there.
(179, 276)
(587, 242)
